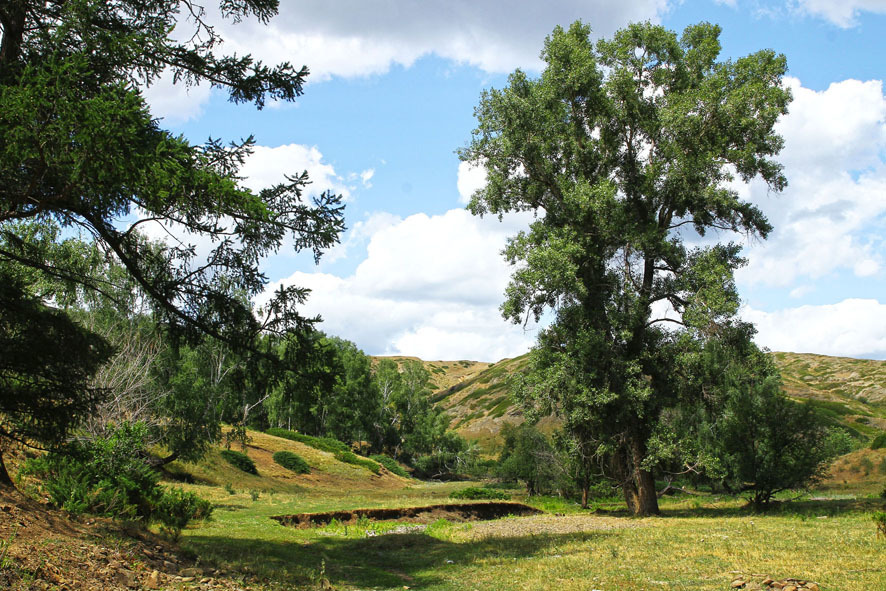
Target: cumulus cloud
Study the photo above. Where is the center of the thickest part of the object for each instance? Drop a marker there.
(359, 38)
(843, 13)
(267, 166)
(430, 286)
(832, 213)
(852, 327)
(470, 179)
(176, 103)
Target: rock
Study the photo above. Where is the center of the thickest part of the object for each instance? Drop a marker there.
(126, 578)
(768, 581)
(191, 572)
(170, 567)
(789, 588)
(187, 579)
(812, 587)
(153, 581)
(737, 584)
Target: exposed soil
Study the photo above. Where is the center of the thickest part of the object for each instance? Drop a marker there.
(43, 549)
(457, 512)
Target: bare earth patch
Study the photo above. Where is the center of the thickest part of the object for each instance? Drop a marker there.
(546, 524)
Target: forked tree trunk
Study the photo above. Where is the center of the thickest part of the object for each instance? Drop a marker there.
(638, 484)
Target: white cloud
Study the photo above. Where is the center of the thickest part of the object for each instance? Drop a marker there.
(843, 13)
(835, 203)
(353, 38)
(430, 286)
(850, 328)
(267, 166)
(470, 179)
(176, 103)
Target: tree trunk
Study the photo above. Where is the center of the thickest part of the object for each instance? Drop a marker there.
(647, 500)
(584, 495)
(5, 480)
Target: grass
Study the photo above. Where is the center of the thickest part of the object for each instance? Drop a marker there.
(698, 543)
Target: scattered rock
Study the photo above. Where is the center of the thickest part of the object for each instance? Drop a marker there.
(153, 581)
(193, 572)
(763, 582)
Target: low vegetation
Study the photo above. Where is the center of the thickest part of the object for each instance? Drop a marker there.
(292, 461)
(475, 493)
(240, 460)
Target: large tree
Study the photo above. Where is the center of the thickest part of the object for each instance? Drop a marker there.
(622, 148)
(81, 155)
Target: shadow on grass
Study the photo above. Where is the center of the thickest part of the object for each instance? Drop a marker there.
(796, 508)
(394, 560)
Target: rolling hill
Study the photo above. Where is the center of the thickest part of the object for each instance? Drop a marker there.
(851, 392)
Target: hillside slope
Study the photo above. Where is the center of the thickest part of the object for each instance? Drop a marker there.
(849, 391)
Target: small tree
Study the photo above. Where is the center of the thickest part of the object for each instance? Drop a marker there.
(769, 443)
(528, 456)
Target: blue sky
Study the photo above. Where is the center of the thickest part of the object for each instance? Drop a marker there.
(391, 97)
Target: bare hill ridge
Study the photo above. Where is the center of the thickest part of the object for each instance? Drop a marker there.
(849, 391)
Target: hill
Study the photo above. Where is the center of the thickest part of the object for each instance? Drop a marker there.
(851, 392)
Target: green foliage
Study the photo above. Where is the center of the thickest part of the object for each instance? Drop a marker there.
(390, 463)
(769, 443)
(616, 146)
(108, 476)
(349, 457)
(528, 456)
(474, 493)
(72, 114)
(292, 461)
(176, 508)
(240, 460)
(322, 443)
(879, 442)
(46, 364)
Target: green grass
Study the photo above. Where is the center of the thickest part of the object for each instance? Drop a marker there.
(322, 443)
(697, 544)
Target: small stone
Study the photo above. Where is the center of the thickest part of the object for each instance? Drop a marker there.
(767, 581)
(737, 584)
(187, 579)
(153, 581)
(127, 578)
(789, 588)
(776, 585)
(191, 572)
(812, 586)
(170, 567)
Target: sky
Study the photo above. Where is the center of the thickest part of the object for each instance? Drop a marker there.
(390, 99)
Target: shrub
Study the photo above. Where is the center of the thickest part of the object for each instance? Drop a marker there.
(349, 457)
(474, 493)
(292, 461)
(322, 443)
(391, 464)
(176, 508)
(239, 460)
(879, 441)
(108, 476)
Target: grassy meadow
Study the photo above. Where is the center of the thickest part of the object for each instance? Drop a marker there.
(701, 541)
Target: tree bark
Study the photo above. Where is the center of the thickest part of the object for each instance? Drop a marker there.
(5, 480)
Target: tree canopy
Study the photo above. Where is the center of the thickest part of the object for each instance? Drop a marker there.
(81, 157)
(623, 148)
(81, 151)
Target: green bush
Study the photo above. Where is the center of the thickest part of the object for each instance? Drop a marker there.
(879, 441)
(322, 443)
(176, 508)
(239, 460)
(350, 457)
(108, 476)
(474, 493)
(391, 464)
(879, 518)
(292, 461)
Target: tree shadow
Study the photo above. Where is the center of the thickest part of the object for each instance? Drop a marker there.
(394, 560)
(798, 508)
